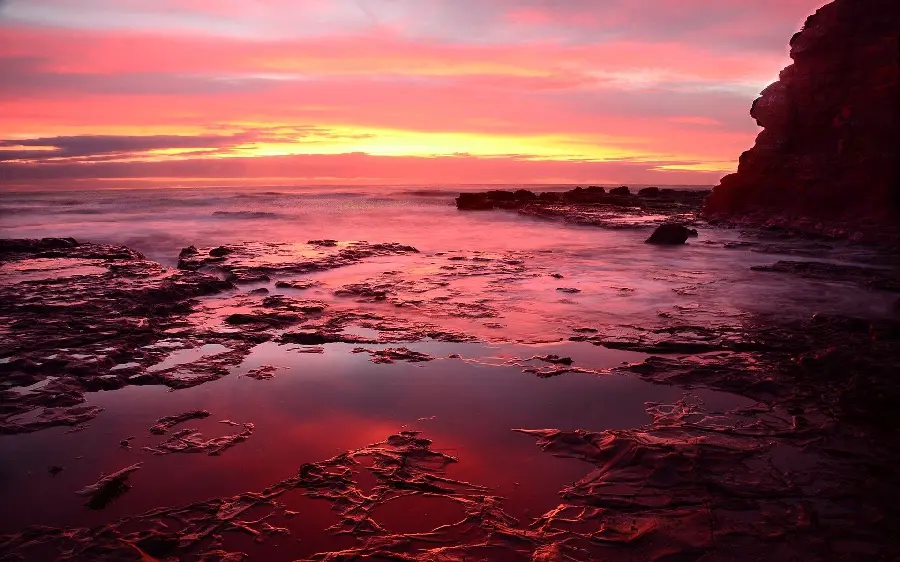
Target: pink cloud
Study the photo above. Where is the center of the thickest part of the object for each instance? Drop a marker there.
(662, 78)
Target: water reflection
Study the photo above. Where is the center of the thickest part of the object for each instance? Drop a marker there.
(320, 405)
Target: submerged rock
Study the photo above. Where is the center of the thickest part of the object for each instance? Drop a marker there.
(163, 425)
(108, 488)
(670, 234)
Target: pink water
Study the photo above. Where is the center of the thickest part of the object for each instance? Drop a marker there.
(319, 405)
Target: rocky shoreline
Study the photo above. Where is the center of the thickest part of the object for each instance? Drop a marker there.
(595, 206)
(808, 471)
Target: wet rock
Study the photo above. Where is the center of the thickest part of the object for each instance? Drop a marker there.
(34, 246)
(669, 234)
(495, 199)
(259, 261)
(220, 251)
(192, 441)
(188, 252)
(309, 338)
(298, 284)
(163, 425)
(265, 372)
(54, 469)
(473, 202)
(74, 417)
(109, 488)
(594, 207)
(392, 355)
(549, 197)
(285, 303)
(649, 192)
(555, 359)
(875, 278)
(524, 195)
(262, 319)
(367, 291)
(569, 290)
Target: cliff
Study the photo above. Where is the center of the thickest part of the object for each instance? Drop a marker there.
(828, 157)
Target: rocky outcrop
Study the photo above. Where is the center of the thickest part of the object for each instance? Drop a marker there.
(592, 195)
(829, 155)
(670, 234)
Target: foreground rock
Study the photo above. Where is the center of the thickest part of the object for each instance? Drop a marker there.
(77, 318)
(669, 235)
(827, 160)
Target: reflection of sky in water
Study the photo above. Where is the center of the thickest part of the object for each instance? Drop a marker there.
(319, 405)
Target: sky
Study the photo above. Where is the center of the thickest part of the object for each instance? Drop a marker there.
(385, 91)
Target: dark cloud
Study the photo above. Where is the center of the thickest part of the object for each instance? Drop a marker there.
(98, 145)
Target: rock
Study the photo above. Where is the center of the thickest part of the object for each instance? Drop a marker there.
(272, 320)
(188, 252)
(649, 192)
(827, 159)
(623, 190)
(473, 202)
(591, 194)
(163, 425)
(299, 285)
(669, 234)
(31, 245)
(108, 488)
(253, 262)
(392, 355)
(494, 199)
(549, 197)
(220, 251)
(307, 338)
(525, 195)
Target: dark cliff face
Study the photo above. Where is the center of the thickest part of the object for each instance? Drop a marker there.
(830, 150)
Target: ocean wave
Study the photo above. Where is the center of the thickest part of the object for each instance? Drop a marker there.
(244, 215)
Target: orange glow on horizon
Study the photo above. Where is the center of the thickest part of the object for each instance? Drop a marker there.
(546, 92)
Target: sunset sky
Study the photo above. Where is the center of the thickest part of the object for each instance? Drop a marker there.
(385, 91)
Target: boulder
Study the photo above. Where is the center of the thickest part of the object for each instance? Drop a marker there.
(473, 202)
(669, 234)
